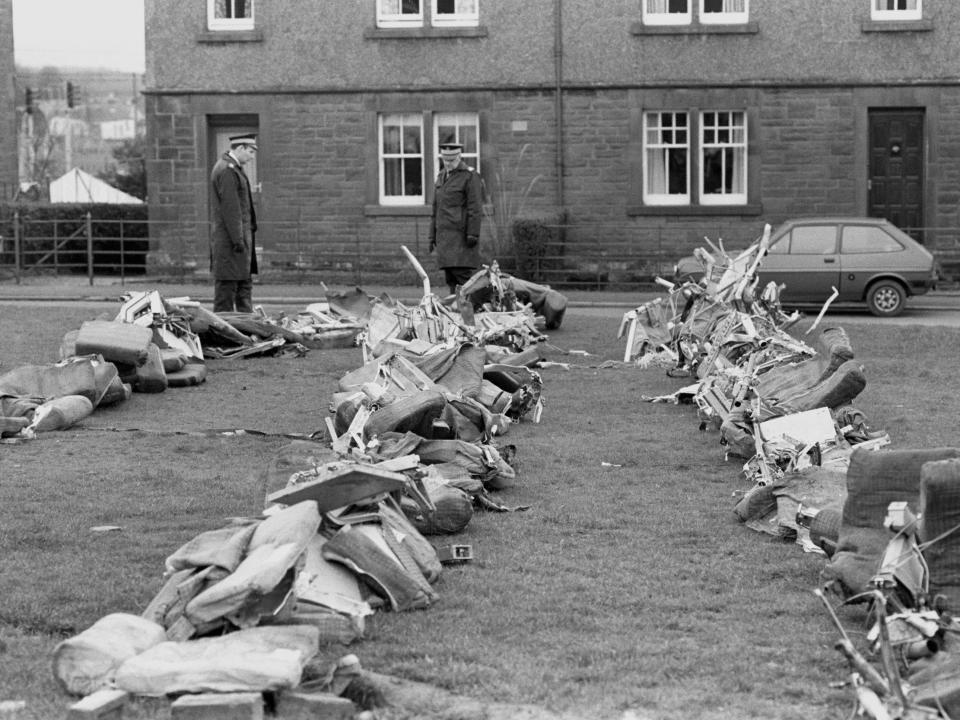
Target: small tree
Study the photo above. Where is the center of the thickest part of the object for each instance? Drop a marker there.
(128, 171)
(508, 198)
(37, 149)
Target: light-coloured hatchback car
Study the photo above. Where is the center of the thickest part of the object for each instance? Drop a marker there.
(866, 259)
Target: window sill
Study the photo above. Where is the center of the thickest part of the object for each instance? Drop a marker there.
(424, 33)
(696, 210)
(750, 28)
(397, 210)
(230, 36)
(870, 26)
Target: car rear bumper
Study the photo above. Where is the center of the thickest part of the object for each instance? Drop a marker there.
(922, 286)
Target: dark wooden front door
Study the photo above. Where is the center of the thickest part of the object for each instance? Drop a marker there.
(896, 168)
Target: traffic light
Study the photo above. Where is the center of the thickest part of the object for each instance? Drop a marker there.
(70, 94)
(28, 100)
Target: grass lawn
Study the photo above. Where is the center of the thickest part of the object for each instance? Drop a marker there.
(628, 589)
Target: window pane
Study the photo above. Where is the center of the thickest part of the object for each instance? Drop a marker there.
(666, 6)
(666, 12)
(412, 177)
(814, 240)
(719, 172)
(446, 134)
(468, 136)
(455, 12)
(411, 140)
(391, 139)
(862, 239)
(667, 172)
(399, 13)
(723, 11)
(780, 247)
(677, 172)
(392, 176)
(399, 7)
(896, 4)
(456, 7)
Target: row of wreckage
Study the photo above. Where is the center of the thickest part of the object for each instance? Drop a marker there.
(885, 520)
(412, 450)
(152, 344)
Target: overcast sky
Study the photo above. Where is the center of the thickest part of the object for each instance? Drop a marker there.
(80, 33)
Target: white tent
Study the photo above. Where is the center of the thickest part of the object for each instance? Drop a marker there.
(78, 186)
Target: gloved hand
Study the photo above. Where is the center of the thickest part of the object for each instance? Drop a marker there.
(433, 245)
(238, 247)
(472, 241)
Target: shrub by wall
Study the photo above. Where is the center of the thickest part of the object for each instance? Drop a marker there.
(538, 247)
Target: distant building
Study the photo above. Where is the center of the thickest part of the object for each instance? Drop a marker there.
(118, 129)
(77, 186)
(60, 126)
(650, 124)
(10, 98)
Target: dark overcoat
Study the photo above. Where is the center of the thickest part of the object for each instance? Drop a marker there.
(233, 253)
(457, 214)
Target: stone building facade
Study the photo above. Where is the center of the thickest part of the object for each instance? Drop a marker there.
(9, 100)
(641, 126)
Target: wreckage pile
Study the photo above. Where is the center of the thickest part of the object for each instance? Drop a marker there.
(885, 520)
(152, 344)
(412, 450)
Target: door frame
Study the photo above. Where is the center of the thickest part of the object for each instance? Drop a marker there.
(908, 114)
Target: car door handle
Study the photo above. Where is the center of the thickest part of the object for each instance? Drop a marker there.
(830, 260)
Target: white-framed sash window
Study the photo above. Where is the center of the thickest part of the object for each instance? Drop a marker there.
(708, 12)
(695, 158)
(230, 14)
(667, 12)
(463, 128)
(666, 158)
(401, 159)
(724, 12)
(723, 157)
(896, 9)
(447, 13)
(399, 13)
(421, 13)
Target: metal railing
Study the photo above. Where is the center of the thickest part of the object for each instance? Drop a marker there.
(584, 256)
(75, 246)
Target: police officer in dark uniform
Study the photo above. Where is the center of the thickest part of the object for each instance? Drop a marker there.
(233, 256)
(457, 214)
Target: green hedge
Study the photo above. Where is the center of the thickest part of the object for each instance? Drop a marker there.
(54, 236)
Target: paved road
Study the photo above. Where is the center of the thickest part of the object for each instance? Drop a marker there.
(942, 310)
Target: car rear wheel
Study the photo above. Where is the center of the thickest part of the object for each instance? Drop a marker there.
(886, 298)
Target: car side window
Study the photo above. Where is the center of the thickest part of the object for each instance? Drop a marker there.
(814, 240)
(860, 239)
(781, 246)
